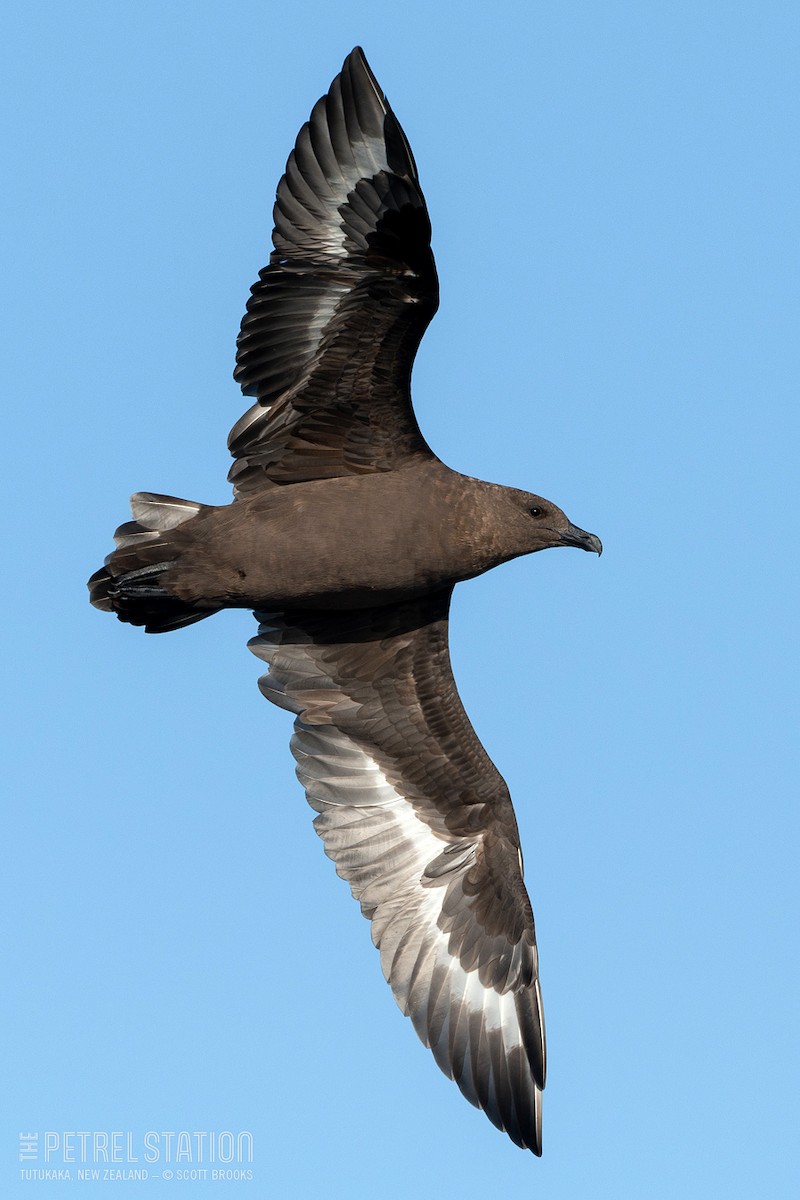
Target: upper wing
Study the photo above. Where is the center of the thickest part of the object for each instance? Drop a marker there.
(334, 321)
(420, 823)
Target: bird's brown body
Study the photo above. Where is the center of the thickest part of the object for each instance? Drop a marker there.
(353, 542)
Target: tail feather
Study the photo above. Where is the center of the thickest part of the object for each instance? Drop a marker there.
(130, 584)
(154, 513)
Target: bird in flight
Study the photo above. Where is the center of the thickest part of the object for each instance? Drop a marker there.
(346, 537)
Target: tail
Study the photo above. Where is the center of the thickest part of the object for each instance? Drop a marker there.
(130, 583)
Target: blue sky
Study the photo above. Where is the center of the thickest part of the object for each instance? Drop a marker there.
(614, 195)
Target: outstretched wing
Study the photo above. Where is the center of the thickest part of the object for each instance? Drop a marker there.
(334, 321)
(420, 824)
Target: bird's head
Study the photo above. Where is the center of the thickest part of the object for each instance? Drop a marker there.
(539, 524)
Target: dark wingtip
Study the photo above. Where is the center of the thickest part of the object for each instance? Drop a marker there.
(357, 57)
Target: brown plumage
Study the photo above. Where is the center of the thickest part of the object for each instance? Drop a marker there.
(347, 535)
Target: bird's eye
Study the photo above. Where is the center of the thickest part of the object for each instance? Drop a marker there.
(536, 511)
